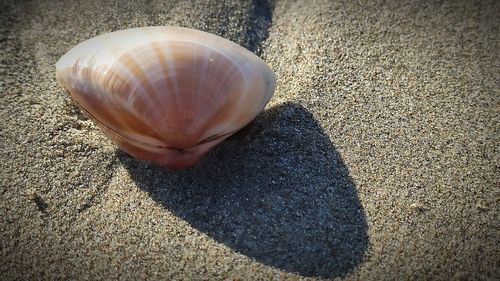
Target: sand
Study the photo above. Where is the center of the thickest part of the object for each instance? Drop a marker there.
(376, 159)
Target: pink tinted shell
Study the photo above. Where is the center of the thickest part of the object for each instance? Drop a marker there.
(166, 94)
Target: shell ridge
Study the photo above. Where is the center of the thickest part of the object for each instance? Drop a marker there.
(136, 91)
(202, 83)
(145, 80)
(172, 72)
(136, 88)
(164, 74)
(242, 67)
(109, 46)
(141, 78)
(113, 45)
(213, 117)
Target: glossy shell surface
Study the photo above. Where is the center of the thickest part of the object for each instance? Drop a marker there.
(166, 94)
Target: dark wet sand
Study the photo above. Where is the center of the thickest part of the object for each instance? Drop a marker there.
(376, 159)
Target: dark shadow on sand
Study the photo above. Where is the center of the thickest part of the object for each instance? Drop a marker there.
(260, 21)
(277, 191)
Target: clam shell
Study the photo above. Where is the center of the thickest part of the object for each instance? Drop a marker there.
(166, 94)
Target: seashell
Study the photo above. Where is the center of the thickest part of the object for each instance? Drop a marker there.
(166, 94)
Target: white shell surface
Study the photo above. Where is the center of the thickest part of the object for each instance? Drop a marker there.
(166, 94)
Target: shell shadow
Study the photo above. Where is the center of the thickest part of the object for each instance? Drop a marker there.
(277, 191)
(260, 21)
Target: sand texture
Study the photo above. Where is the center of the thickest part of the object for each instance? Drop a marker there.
(376, 159)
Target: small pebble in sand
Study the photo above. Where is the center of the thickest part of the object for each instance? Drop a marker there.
(415, 206)
(40, 203)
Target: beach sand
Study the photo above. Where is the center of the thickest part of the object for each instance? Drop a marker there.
(376, 159)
